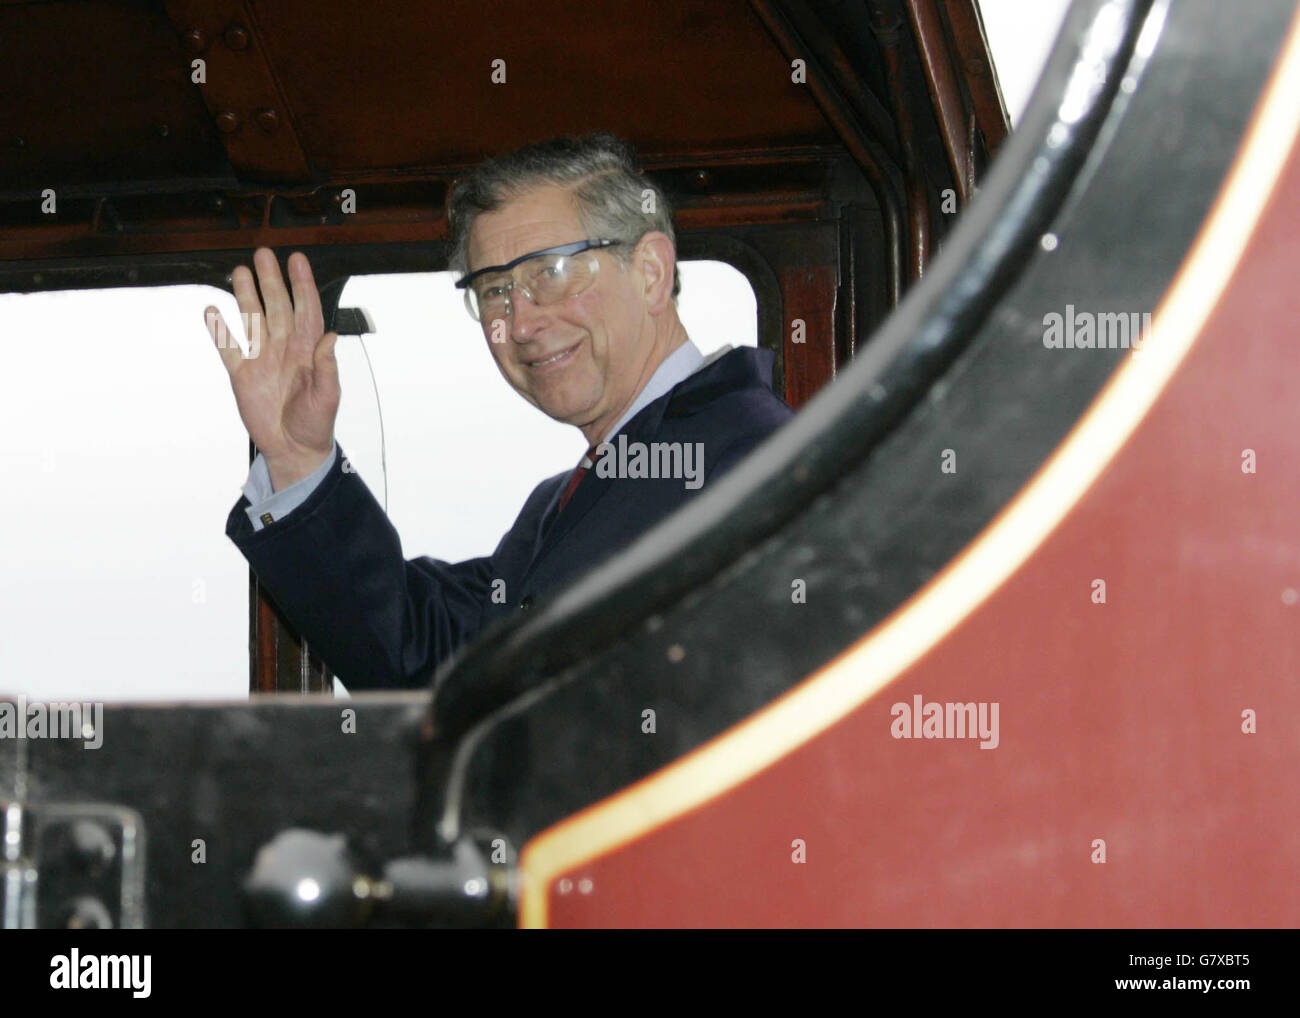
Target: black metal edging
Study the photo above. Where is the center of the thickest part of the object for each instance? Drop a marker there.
(521, 657)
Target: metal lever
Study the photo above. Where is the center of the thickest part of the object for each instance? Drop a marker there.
(304, 879)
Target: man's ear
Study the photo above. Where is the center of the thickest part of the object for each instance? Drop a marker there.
(656, 258)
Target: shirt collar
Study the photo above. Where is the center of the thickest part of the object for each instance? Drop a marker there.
(675, 369)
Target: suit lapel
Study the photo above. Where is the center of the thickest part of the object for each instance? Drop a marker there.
(736, 369)
(641, 428)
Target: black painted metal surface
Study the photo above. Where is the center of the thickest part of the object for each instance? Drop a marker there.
(215, 783)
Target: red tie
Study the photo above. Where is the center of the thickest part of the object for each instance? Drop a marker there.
(578, 474)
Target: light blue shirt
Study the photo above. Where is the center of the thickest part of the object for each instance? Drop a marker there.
(276, 505)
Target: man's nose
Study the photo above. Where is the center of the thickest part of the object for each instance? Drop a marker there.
(525, 318)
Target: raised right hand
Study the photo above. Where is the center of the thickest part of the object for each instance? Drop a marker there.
(287, 390)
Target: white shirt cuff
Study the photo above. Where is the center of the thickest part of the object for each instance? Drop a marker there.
(266, 505)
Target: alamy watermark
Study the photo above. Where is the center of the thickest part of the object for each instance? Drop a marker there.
(920, 720)
(679, 460)
(252, 329)
(75, 971)
(22, 720)
(1084, 330)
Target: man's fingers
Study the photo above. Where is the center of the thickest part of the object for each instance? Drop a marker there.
(279, 312)
(307, 314)
(325, 347)
(324, 363)
(245, 292)
(231, 355)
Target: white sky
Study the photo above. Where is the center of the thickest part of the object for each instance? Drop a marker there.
(124, 452)
(1021, 34)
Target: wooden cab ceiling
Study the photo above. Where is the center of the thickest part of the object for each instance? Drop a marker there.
(100, 93)
(396, 97)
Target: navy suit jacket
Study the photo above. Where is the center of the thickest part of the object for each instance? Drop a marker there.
(334, 565)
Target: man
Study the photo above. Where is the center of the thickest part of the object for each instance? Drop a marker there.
(575, 285)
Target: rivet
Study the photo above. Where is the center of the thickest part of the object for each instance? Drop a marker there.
(194, 41)
(268, 120)
(227, 122)
(164, 130)
(237, 37)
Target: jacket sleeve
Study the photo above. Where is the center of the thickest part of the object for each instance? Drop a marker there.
(334, 566)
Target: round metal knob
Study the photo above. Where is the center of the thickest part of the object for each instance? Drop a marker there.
(305, 879)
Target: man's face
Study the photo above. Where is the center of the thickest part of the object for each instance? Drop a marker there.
(602, 336)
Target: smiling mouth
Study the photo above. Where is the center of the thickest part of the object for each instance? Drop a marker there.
(554, 360)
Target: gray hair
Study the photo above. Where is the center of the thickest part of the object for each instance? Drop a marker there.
(600, 172)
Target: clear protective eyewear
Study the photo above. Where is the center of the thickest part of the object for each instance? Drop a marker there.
(544, 277)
